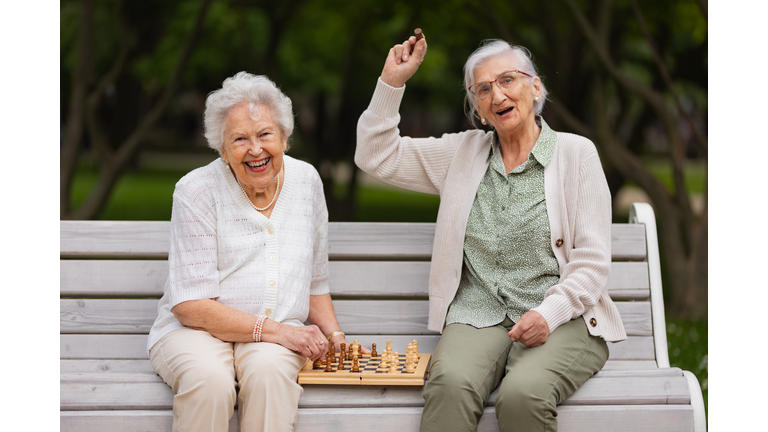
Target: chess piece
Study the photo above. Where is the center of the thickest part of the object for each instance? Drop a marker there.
(392, 364)
(355, 364)
(384, 361)
(341, 364)
(410, 366)
(373, 351)
(317, 364)
(343, 354)
(354, 350)
(396, 358)
(328, 363)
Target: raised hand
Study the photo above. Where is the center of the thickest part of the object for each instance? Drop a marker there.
(403, 61)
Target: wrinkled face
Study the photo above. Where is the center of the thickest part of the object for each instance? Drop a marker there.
(507, 110)
(253, 148)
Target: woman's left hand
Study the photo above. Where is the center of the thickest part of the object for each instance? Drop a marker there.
(531, 330)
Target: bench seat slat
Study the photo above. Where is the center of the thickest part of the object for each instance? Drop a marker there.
(133, 347)
(354, 316)
(142, 391)
(659, 418)
(349, 279)
(346, 240)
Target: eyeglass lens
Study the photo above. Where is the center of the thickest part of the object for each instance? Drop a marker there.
(505, 80)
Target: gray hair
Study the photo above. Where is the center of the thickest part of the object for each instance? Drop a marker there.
(490, 48)
(255, 90)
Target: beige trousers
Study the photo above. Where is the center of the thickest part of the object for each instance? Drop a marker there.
(204, 373)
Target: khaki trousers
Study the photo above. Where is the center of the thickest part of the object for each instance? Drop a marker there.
(204, 373)
(469, 363)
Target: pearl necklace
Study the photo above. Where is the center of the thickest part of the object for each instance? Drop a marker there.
(274, 197)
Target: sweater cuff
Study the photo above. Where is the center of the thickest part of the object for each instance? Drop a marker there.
(386, 100)
(554, 312)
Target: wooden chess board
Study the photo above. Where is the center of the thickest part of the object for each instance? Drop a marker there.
(370, 373)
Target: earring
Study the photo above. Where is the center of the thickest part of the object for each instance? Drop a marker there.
(536, 99)
(483, 121)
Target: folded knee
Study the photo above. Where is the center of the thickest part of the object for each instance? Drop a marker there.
(207, 379)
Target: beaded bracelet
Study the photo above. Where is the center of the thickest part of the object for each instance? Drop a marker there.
(257, 327)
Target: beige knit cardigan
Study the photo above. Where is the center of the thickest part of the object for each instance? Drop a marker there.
(452, 166)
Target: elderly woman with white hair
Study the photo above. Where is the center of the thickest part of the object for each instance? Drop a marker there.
(522, 247)
(248, 265)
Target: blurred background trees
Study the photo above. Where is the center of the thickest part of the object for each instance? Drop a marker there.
(629, 75)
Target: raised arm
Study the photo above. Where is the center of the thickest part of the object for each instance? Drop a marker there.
(417, 164)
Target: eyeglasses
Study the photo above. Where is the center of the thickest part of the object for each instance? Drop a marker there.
(505, 80)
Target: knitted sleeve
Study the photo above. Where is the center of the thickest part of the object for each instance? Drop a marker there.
(319, 284)
(418, 164)
(192, 258)
(584, 278)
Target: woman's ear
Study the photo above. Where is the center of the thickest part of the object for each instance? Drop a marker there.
(537, 87)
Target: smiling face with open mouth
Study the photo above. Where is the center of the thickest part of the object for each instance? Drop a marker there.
(510, 111)
(253, 148)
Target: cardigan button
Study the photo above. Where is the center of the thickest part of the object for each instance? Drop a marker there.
(593, 322)
(559, 242)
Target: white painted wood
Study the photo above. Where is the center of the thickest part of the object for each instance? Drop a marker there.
(346, 240)
(101, 346)
(627, 243)
(112, 278)
(642, 214)
(697, 403)
(108, 367)
(138, 239)
(144, 391)
(658, 418)
(133, 347)
(348, 279)
(105, 367)
(408, 317)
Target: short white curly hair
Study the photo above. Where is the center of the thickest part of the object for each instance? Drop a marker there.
(256, 91)
(491, 48)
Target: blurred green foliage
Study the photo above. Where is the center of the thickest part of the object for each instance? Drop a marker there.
(688, 345)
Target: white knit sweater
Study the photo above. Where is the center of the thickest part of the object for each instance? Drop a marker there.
(222, 248)
(577, 198)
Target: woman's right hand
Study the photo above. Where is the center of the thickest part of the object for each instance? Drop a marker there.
(403, 61)
(308, 341)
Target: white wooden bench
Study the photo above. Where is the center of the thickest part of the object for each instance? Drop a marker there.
(112, 275)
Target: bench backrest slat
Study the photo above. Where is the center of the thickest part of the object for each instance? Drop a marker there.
(346, 240)
(355, 316)
(128, 347)
(348, 279)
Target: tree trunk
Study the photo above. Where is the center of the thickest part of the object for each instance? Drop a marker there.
(73, 129)
(111, 164)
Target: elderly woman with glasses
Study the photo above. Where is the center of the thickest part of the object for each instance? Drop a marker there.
(248, 265)
(522, 247)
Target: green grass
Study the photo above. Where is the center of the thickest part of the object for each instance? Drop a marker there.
(138, 195)
(695, 173)
(384, 205)
(688, 349)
